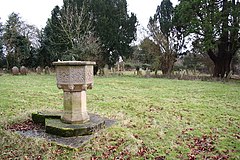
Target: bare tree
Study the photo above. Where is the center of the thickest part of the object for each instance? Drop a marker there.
(32, 33)
(167, 47)
(75, 22)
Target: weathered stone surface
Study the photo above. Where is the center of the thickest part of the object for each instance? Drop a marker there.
(57, 127)
(74, 77)
(38, 70)
(15, 70)
(47, 70)
(40, 117)
(71, 142)
(71, 78)
(23, 70)
(106, 70)
(75, 107)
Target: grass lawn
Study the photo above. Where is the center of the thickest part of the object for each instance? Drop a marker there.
(156, 118)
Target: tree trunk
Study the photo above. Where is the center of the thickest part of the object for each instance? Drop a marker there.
(222, 60)
(95, 70)
(167, 64)
(222, 64)
(164, 72)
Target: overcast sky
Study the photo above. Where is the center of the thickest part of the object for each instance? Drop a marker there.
(36, 12)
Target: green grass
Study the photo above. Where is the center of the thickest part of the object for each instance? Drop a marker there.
(156, 118)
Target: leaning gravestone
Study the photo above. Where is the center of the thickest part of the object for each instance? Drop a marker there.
(23, 70)
(15, 70)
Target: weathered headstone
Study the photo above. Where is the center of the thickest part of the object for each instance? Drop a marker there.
(106, 70)
(23, 70)
(15, 70)
(47, 70)
(38, 70)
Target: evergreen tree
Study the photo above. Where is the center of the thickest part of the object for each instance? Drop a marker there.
(98, 30)
(150, 50)
(214, 26)
(12, 31)
(115, 28)
(1, 46)
(69, 33)
(17, 45)
(165, 36)
(48, 50)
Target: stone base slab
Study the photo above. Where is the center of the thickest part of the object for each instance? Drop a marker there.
(69, 142)
(40, 117)
(55, 126)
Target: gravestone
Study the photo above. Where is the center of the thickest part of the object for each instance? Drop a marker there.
(23, 70)
(15, 70)
(106, 70)
(47, 70)
(38, 70)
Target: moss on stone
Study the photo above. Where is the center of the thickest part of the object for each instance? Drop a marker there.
(54, 125)
(40, 117)
(57, 127)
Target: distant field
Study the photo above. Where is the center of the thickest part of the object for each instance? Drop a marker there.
(156, 118)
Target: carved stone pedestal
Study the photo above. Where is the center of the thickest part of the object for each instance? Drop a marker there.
(75, 107)
(74, 77)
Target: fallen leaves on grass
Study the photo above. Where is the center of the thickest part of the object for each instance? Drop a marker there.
(202, 147)
(204, 144)
(118, 151)
(24, 126)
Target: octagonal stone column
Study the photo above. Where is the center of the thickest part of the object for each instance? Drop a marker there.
(74, 78)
